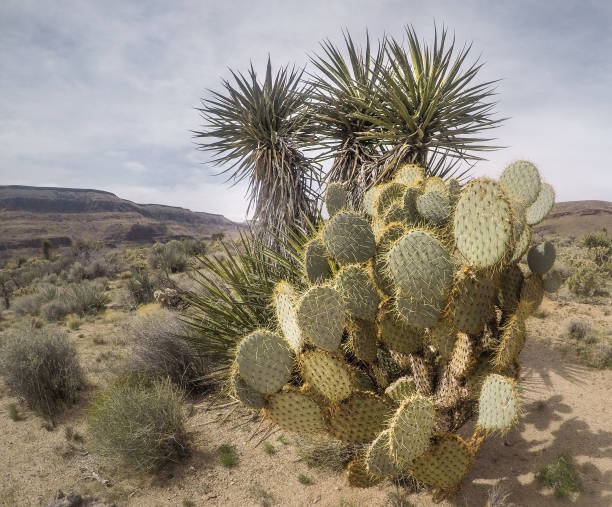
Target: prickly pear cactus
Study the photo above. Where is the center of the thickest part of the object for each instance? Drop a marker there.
(412, 321)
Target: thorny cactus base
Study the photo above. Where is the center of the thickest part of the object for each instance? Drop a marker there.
(415, 314)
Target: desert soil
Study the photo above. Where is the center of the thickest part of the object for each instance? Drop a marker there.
(566, 409)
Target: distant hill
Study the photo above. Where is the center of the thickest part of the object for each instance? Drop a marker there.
(30, 214)
(577, 218)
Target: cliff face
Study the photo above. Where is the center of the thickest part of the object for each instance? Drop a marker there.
(577, 218)
(29, 214)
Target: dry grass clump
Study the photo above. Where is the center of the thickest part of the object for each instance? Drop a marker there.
(587, 280)
(140, 426)
(324, 453)
(140, 285)
(158, 351)
(41, 366)
(171, 257)
(592, 348)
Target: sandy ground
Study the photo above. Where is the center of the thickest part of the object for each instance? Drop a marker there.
(566, 408)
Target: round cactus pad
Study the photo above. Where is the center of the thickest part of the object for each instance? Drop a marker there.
(482, 223)
(294, 411)
(396, 333)
(541, 257)
(434, 207)
(327, 374)
(388, 237)
(321, 316)
(542, 205)
(435, 184)
(409, 174)
(362, 339)
(444, 465)
(284, 304)
(378, 460)
(442, 338)
(401, 389)
(336, 198)
(388, 193)
(498, 407)
(244, 393)
(512, 339)
(316, 261)
(264, 361)
(532, 291)
(358, 292)
(410, 429)
(463, 356)
(521, 180)
(521, 244)
(357, 474)
(471, 301)
(349, 238)
(360, 418)
(368, 200)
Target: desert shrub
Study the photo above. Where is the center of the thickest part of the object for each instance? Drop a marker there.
(76, 272)
(141, 426)
(46, 248)
(561, 475)
(98, 268)
(599, 245)
(86, 297)
(170, 257)
(326, 454)
(140, 285)
(41, 366)
(55, 310)
(194, 246)
(578, 329)
(158, 351)
(587, 280)
(27, 305)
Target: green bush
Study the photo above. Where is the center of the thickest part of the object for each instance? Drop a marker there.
(159, 351)
(170, 257)
(587, 280)
(81, 298)
(194, 246)
(578, 329)
(140, 285)
(600, 246)
(141, 426)
(41, 366)
(561, 475)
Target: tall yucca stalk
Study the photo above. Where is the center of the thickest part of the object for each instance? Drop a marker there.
(428, 103)
(343, 87)
(256, 131)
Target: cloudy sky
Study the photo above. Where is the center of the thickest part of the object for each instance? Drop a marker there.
(101, 94)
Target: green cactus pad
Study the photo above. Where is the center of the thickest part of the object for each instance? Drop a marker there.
(510, 283)
(512, 338)
(541, 257)
(388, 364)
(410, 429)
(264, 361)
(422, 271)
(471, 300)
(335, 198)
(388, 193)
(445, 464)
(362, 339)
(368, 200)
(402, 388)
(434, 207)
(532, 291)
(321, 316)
(454, 189)
(295, 411)
(395, 213)
(542, 205)
(388, 237)
(316, 261)
(396, 333)
(362, 381)
(378, 460)
(442, 338)
(349, 238)
(409, 175)
(435, 184)
(463, 356)
(499, 404)
(410, 204)
(473, 383)
(359, 418)
(521, 180)
(521, 244)
(358, 292)
(284, 303)
(421, 375)
(244, 393)
(482, 223)
(327, 374)
(357, 475)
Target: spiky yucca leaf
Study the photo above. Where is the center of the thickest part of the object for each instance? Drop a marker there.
(234, 292)
(339, 87)
(428, 102)
(256, 131)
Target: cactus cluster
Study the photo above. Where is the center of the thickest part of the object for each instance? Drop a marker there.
(414, 316)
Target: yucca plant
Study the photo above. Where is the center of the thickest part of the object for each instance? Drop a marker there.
(256, 131)
(427, 102)
(342, 86)
(234, 291)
